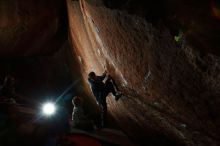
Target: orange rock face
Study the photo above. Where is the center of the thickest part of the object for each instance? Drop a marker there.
(170, 88)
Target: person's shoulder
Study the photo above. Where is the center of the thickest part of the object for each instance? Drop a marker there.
(100, 77)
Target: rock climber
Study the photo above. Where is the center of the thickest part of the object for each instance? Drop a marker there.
(101, 89)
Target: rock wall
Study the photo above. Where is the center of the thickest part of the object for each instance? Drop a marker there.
(171, 89)
(31, 27)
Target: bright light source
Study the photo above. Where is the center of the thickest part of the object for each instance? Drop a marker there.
(48, 109)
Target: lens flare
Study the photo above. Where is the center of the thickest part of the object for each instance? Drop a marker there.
(48, 109)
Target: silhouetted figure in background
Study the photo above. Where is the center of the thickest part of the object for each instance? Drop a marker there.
(79, 119)
(101, 90)
(7, 90)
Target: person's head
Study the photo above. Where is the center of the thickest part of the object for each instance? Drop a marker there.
(76, 101)
(92, 75)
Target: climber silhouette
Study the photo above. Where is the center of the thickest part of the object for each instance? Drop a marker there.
(101, 89)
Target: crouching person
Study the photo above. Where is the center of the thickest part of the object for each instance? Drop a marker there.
(79, 119)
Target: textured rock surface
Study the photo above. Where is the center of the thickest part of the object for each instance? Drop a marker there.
(31, 27)
(171, 89)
